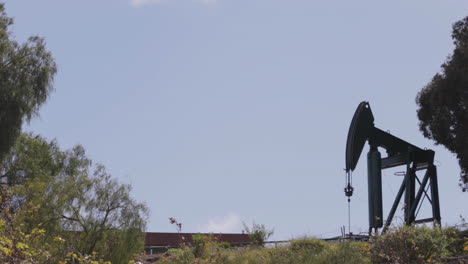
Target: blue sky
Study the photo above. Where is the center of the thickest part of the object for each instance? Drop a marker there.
(223, 111)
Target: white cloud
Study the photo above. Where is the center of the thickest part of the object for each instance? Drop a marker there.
(139, 3)
(230, 223)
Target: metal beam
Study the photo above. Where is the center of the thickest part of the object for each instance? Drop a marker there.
(425, 220)
(435, 195)
(394, 161)
(421, 190)
(410, 192)
(395, 205)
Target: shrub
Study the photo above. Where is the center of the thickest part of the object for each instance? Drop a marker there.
(308, 244)
(183, 255)
(412, 245)
(303, 251)
(345, 252)
(224, 245)
(458, 245)
(258, 233)
(404, 245)
(200, 244)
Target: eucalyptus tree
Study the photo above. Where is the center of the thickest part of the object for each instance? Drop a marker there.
(443, 102)
(27, 71)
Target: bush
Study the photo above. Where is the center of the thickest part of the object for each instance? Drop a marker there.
(404, 245)
(345, 252)
(413, 245)
(258, 233)
(308, 244)
(183, 255)
(302, 251)
(200, 244)
(458, 246)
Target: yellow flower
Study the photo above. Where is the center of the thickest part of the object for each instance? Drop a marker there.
(6, 251)
(365, 247)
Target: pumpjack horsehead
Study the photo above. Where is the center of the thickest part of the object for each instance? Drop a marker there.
(399, 153)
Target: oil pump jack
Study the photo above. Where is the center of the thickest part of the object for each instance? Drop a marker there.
(399, 153)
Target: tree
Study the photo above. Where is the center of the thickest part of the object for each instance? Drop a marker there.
(258, 233)
(58, 191)
(31, 157)
(108, 220)
(443, 102)
(73, 199)
(18, 246)
(26, 77)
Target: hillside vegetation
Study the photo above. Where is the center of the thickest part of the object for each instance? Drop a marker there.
(411, 245)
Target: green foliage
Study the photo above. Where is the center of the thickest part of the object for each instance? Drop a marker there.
(78, 258)
(458, 241)
(204, 245)
(345, 252)
(26, 76)
(55, 206)
(16, 245)
(303, 251)
(31, 157)
(73, 199)
(110, 222)
(183, 255)
(410, 245)
(258, 233)
(413, 245)
(32, 247)
(443, 102)
(224, 245)
(311, 250)
(308, 244)
(200, 244)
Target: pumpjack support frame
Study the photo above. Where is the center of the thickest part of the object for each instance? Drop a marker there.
(399, 152)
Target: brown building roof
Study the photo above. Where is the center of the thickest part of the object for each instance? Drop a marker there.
(175, 239)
